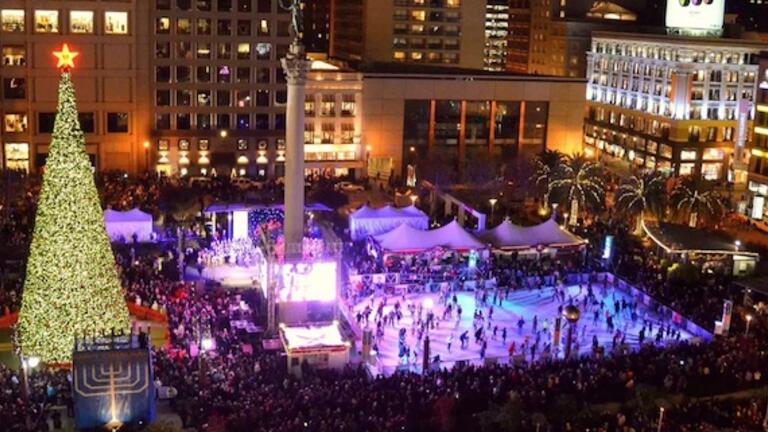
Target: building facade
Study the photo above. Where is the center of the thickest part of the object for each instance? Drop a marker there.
(758, 164)
(219, 90)
(670, 103)
(110, 79)
(519, 36)
(333, 122)
(435, 32)
(317, 26)
(464, 118)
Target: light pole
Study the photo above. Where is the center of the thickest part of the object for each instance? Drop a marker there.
(26, 364)
(572, 314)
(206, 344)
(749, 320)
(146, 155)
(737, 245)
(493, 202)
(661, 418)
(413, 199)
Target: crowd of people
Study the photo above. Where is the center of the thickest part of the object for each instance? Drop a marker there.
(241, 386)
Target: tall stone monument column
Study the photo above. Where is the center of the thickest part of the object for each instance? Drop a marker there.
(296, 66)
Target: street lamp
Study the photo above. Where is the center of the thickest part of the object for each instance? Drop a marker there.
(206, 344)
(146, 155)
(737, 244)
(27, 364)
(413, 199)
(749, 320)
(571, 314)
(493, 202)
(223, 133)
(661, 418)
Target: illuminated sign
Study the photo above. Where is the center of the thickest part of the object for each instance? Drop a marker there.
(695, 14)
(758, 206)
(608, 248)
(308, 282)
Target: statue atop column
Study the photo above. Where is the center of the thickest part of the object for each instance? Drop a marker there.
(296, 7)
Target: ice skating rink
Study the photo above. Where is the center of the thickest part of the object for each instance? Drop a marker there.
(525, 304)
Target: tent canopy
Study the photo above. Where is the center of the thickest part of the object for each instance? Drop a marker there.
(228, 207)
(367, 221)
(510, 236)
(408, 239)
(124, 225)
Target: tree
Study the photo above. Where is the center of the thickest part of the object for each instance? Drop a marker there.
(641, 194)
(548, 164)
(579, 184)
(72, 287)
(696, 203)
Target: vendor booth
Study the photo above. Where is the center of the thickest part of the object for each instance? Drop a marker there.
(545, 237)
(321, 346)
(367, 221)
(127, 225)
(408, 240)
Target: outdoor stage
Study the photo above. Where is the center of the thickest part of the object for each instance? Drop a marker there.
(228, 275)
(525, 303)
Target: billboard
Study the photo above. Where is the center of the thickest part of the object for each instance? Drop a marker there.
(696, 14)
(303, 282)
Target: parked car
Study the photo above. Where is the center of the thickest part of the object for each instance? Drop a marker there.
(199, 181)
(348, 187)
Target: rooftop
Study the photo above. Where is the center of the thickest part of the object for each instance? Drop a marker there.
(680, 40)
(680, 239)
(420, 71)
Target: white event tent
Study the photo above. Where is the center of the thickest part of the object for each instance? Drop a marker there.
(406, 239)
(367, 221)
(508, 236)
(121, 226)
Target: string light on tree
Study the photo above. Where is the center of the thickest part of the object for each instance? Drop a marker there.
(72, 287)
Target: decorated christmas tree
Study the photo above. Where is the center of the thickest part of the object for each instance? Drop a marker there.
(72, 287)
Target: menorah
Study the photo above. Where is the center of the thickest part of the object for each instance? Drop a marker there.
(112, 387)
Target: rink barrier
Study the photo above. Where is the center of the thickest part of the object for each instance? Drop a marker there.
(664, 311)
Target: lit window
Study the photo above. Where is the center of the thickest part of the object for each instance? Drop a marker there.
(688, 155)
(46, 21)
(452, 3)
(12, 20)
(263, 27)
(17, 156)
(183, 26)
(243, 51)
(687, 169)
(117, 22)
(14, 56)
(713, 154)
(418, 15)
(163, 25)
(399, 55)
(15, 123)
(711, 171)
(81, 21)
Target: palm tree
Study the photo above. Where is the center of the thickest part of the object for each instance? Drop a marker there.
(579, 183)
(548, 164)
(694, 202)
(641, 194)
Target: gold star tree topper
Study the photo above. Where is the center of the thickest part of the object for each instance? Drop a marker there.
(66, 58)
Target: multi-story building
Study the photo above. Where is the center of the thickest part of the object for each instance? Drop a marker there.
(758, 164)
(670, 103)
(317, 26)
(462, 116)
(218, 88)
(110, 79)
(561, 33)
(435, 32)
(519, 36)
(496, 35)
(333, 121)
